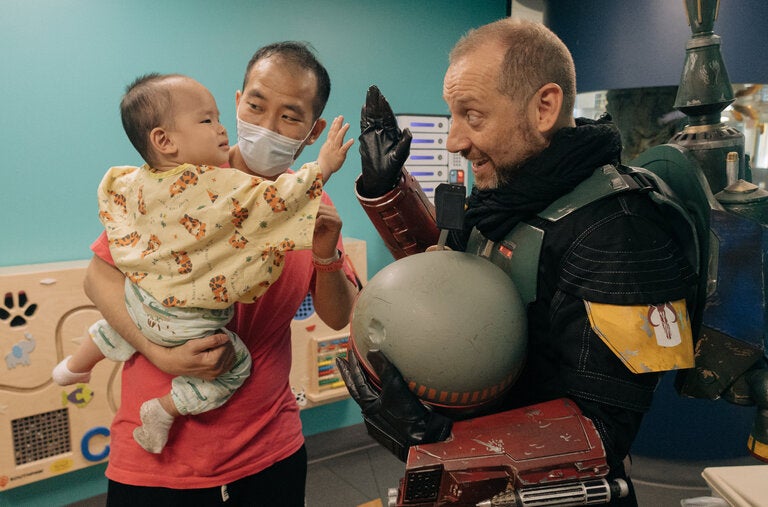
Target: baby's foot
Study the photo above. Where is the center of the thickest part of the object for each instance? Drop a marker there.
(63, 376)
(152, 435)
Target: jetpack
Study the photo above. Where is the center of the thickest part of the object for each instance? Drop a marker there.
(706, 168)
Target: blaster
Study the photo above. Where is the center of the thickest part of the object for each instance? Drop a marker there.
(544, 454)
(598, 491)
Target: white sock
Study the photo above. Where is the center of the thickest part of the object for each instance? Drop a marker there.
(63, 376)
(152, 435)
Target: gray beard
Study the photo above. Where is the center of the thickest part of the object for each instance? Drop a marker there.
(505, 173)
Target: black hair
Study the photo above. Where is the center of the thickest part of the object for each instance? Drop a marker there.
(301, 54)
(146, 105)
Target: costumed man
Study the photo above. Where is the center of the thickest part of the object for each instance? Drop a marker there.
(606, 308)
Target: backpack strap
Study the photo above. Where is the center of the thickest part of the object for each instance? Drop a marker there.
(605, 181)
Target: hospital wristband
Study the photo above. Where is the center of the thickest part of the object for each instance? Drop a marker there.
(329, 265)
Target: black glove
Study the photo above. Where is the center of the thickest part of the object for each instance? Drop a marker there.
(383, 147)
(394, 416)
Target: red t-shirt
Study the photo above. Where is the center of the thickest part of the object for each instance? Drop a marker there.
(256, 428)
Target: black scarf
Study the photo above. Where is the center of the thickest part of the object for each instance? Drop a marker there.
(572, 156)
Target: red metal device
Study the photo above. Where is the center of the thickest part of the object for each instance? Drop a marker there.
(545, 454)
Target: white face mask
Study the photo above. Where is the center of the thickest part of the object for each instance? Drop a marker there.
(265, 152)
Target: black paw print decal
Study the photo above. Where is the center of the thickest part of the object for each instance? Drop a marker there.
(17, 308)
(301, 396)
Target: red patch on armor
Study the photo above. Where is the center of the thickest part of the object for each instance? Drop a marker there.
(506, 252)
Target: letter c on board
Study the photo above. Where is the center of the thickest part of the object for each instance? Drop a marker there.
(84, 447)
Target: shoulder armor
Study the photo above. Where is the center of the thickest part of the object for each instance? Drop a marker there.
(604, 181)
(609, 180)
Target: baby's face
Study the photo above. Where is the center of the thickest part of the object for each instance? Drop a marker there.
(196, 131)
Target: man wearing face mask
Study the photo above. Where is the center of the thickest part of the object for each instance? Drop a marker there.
(257, 456)
(271, 152)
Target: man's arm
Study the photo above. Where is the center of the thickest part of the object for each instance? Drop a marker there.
(389, 195)
(333, 293)
(204, 358)
(333, 298)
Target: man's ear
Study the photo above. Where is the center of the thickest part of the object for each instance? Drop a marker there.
(547, 103)
(316, 131)
(161, 142)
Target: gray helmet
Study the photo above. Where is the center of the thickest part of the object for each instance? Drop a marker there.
(452, 323)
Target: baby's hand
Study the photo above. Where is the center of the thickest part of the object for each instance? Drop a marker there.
(334, 150)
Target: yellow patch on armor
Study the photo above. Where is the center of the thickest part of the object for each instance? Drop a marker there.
(757, 448)
(646, 338)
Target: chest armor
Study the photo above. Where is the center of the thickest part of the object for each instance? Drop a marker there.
(519, 252)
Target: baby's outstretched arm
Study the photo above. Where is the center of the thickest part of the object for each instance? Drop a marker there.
(334, 150)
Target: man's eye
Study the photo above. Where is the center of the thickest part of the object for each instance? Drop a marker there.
(207, 120)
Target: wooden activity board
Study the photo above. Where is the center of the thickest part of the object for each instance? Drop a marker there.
(48, 430)
(314, 377)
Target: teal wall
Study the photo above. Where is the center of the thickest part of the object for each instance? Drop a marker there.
(65, 64)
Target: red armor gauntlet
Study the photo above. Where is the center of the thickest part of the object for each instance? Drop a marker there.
(403, 217)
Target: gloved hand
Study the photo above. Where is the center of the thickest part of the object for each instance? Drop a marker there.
(394, 416)
(383, 148)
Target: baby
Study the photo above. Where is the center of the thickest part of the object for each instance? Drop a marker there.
(193, 238)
